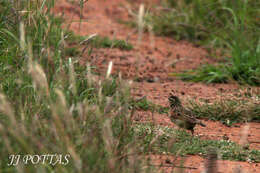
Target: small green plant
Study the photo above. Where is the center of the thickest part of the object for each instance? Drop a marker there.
(99, 41)
(240, 36)
(207, 74)
(158, 139)
(76, 42)
(105, 42)
(146, 105)
(72, 51)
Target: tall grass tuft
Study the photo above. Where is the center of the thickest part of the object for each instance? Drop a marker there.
(229, 27)
(49, 104)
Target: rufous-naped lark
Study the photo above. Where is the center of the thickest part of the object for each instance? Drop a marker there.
(181, 116)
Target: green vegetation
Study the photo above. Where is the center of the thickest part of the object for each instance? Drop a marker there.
(144, 104)
(227, 112)
(99, 42)
(209, 21)
(49, 104)
(105, 42)
(163, 139)
(207, 73)
(230, 26)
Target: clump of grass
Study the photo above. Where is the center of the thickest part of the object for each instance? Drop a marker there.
(52, 105)
(234, 27)
(99, 41)
(105, 42)
(72, 52)
(160, 139)
(94, 41)
(227, 111)
(206, 73)
(230, 26)
(243, 66)
(202, 20)
(145, 104)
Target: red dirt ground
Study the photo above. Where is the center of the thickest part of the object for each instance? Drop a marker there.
(196, 164)
(151, 62)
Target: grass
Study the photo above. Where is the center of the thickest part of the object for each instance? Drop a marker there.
(204, 20)
(49, 104)
(229, 27)
(160, 139)
(228, 112)
(207, 74)
(105, 42)
(145, 104)
(99, 41)
(234, 28)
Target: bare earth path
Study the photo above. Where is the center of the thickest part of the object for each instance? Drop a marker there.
(150, 64)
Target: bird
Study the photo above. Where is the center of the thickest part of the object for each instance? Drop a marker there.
(181, 116)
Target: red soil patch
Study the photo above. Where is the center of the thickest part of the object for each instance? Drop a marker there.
(146, 61)
(158, 92)
(213, 131)
(196, 164)
(151, 62)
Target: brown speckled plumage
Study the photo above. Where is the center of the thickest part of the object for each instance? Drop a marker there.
(181, 116)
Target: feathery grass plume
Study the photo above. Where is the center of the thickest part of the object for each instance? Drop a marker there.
(100, 92)
(61, 99)
(63, 119)
(61, 108)
(92, 79)
(87, 41)
(109, 69)
(76, 157)
(5, 108)
(109, 105)
(12, 129)
(72, 77)
(39, 78)
(38, 75)
(140, 22)
(6, 139)
(120, 77)
(57, 110)
(151, 35)
(22, 36)
(109, 142)
(64, 44)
